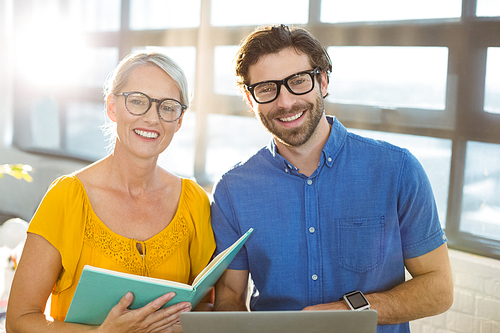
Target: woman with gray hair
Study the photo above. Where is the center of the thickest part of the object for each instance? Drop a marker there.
(123, 213)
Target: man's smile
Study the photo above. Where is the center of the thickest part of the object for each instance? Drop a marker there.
(291, 118)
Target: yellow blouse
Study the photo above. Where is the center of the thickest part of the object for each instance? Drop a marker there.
(66, 219)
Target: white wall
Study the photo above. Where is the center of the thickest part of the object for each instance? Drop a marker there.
(476, 308)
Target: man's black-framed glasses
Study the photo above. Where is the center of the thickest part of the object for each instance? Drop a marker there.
(298, 84)
(138, 103)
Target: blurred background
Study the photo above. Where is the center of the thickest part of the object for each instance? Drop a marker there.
(421, 74)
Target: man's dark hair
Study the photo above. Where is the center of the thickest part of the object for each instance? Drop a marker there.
(272, 39)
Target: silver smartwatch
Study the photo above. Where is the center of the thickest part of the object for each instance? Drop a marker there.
(356, 301)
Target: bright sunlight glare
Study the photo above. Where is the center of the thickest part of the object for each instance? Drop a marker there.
(49, 53)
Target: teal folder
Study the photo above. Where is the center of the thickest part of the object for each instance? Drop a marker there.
(99, 289)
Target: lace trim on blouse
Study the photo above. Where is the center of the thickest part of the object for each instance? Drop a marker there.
(123, 251)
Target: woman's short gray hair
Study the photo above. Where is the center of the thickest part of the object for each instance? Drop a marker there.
(119, 76)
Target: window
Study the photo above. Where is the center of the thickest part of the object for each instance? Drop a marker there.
(224, 79)
(257, 12)
(232, 139)
(481, 202)
(164, 14)
(335, 11)
(96, 15)
(96, 64)
(84, 137)
(488, 8)
(492, 91)
(389, 76)
(45, 127)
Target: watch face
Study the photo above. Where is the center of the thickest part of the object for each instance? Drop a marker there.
(357, 300)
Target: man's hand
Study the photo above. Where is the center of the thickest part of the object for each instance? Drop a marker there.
(328, 306)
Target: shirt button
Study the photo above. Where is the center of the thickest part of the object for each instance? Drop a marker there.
(286, 170)
(311, 230)
(444, 237)
(314, 277)
(329, 159)
(309, 182)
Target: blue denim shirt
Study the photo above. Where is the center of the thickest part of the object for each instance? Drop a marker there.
(366, 208)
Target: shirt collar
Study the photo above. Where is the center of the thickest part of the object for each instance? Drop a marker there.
(335, 142)
(279, 160)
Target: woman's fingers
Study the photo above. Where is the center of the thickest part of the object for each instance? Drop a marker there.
(167, 316)
(167, 320)
(149, 318)
(123, 304)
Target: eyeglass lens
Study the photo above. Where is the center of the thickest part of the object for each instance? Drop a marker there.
(300, 83)
(139, 103)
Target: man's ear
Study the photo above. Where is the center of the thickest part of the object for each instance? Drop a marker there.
(324, 84)
(110, 107)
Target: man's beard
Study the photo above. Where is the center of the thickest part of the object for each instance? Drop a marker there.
(298, 136)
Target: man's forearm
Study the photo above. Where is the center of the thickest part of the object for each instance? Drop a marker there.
(229, 306)
(230, 291)
(417, 298)
(428, 293)
(423, 296)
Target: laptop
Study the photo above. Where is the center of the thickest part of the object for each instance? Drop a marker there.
(342, 321)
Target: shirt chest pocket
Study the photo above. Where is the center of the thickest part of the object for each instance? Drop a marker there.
(360, 243)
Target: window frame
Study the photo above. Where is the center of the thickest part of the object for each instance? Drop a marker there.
(463, 119)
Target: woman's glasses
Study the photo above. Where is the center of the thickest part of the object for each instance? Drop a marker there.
(138, 103)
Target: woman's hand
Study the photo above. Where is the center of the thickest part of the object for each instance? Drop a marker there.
(149, 318)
